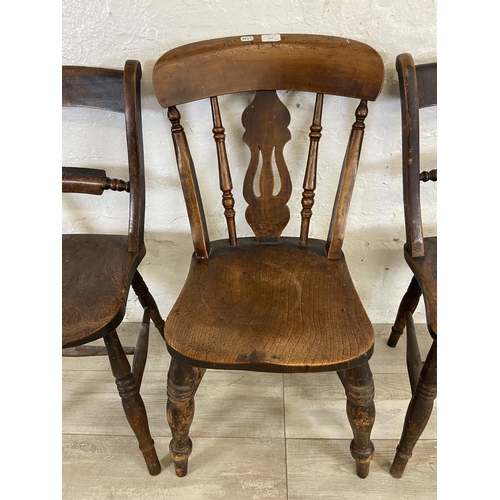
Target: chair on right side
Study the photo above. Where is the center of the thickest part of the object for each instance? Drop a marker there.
(418, 89)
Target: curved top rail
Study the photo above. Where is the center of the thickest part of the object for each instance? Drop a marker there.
(314, 63)
(89, 87)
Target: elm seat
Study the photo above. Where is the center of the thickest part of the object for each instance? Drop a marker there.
(418, 90)
(268, 302)
(269, 307)
(96, 280)
(98, 269)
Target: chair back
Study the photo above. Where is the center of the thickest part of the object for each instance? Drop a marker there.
(116, 91)
(324, 65)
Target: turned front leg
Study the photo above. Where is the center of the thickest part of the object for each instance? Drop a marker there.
(409, 302)
(183, 381)
(418, 413)
(133, 405)
(359, 389)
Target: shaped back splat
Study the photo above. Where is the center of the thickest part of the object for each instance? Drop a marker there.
(266, 122)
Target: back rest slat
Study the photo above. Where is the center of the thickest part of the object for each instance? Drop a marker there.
(427, 84)
(226, 184)
(266, 121)
(309, 185)
(312, 63)
(345, 187)
(98, 88)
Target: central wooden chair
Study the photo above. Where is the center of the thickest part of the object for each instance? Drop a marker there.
(268, 302)
(98, 269)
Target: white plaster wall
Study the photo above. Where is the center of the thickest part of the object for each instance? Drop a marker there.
(107, 32)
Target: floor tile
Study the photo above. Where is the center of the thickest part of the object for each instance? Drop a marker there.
(96, 467)
(320, 469)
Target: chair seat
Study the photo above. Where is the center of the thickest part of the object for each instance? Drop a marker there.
(425, 271)
(97, 272)
(271, 307)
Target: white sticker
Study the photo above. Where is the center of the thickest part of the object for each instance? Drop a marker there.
(246, 38)
(271, 38)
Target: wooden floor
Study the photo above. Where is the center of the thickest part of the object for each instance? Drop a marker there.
(255, 435)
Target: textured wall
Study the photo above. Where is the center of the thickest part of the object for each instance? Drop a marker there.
(107, 32)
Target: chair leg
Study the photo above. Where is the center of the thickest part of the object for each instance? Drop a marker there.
(359, 390)
(133, 404)
(147, 300)
(409, 302)
(418, 413)
(182, 384)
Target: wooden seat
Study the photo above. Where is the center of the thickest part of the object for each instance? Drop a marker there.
(263, 318)
(98, 269)
(418, 89)
(268, 302)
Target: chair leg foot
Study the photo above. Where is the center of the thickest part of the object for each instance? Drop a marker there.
(409, 302)
(183, 381)
(363, 459)
(360, 407)
(394, 337)
(399, 464)
(152, 462)
(132, 402)
(180, 457)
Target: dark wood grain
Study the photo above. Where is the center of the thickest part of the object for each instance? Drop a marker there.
(312, 63)
(226, 184)
(266, 121)
(97, 272)
(98, 269)
(418, 89)
(100, 88)
(271, 302)
(309, 184)
(282, 308)
(348, 174)
(190, 188)
(132, 402)
(90, 181)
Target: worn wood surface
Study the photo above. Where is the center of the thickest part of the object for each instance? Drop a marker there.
(284, 308)
(269, 303)
(97, 272)
(98, 269)
(266, 121)
(190, 187)
(418, 89)
(312, 63)
(425, 272)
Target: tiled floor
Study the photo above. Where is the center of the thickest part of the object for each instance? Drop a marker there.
(255, 435)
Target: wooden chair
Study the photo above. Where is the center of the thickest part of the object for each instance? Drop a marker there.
(268, 303)
(98, 269)
(418, 89)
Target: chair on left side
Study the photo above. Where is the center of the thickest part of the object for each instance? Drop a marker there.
(98, 269)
